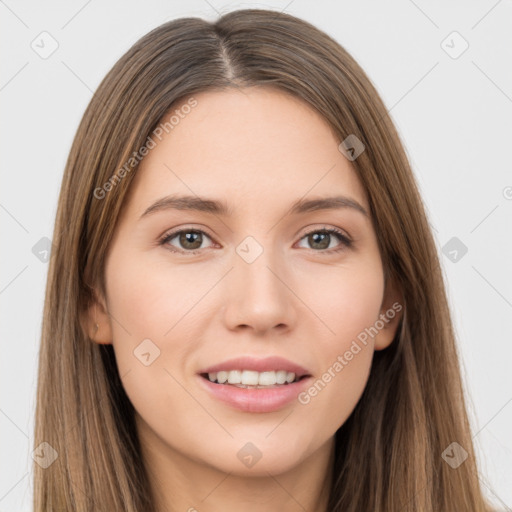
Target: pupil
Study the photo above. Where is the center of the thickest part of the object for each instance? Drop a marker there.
(190, 238)
(322, 237)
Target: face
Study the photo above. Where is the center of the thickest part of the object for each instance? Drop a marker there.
(193, 285)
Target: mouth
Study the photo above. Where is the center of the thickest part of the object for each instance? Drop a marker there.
(255, 385)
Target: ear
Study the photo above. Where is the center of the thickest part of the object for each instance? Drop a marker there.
(97, 322)
(391, 313)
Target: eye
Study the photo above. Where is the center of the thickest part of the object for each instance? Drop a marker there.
(320, 239)
(190, 240)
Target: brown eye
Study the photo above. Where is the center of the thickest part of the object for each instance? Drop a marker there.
(188, 240)
(320, 240)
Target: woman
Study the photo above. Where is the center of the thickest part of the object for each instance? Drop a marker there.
(244, 304)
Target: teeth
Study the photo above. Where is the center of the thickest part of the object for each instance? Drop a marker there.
(252, 378)
(268, 379)
(234, 377)
(281, 376)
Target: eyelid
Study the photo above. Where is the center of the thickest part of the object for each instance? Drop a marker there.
(314, 228)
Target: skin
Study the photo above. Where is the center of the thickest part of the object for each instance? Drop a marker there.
(259, 150)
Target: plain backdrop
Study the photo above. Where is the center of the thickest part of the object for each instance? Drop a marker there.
(444, 71)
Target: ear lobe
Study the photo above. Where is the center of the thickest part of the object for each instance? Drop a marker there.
(391, 313)
(98, 325)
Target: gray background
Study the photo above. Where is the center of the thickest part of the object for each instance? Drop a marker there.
(452, 111)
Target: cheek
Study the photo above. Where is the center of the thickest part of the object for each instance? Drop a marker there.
(152, 309)
(333, 395)
(347, 300)
(349, 306)
(150, 300)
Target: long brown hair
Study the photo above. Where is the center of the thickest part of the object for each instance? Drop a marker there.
(388, 454)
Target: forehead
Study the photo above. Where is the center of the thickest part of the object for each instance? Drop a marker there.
(251, 146)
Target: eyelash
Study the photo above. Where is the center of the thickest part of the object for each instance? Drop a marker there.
(346, 243)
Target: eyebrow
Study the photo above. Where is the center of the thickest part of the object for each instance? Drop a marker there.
(212, 206)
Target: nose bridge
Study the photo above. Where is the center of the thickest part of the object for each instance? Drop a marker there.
(258, 296)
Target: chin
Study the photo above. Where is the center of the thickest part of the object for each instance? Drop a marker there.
(259, 457)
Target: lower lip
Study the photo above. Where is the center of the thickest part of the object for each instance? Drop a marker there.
(254, 399)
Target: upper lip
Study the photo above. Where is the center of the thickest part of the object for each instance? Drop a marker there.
(266, 364)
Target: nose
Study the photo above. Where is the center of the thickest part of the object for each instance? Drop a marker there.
(259, 296)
